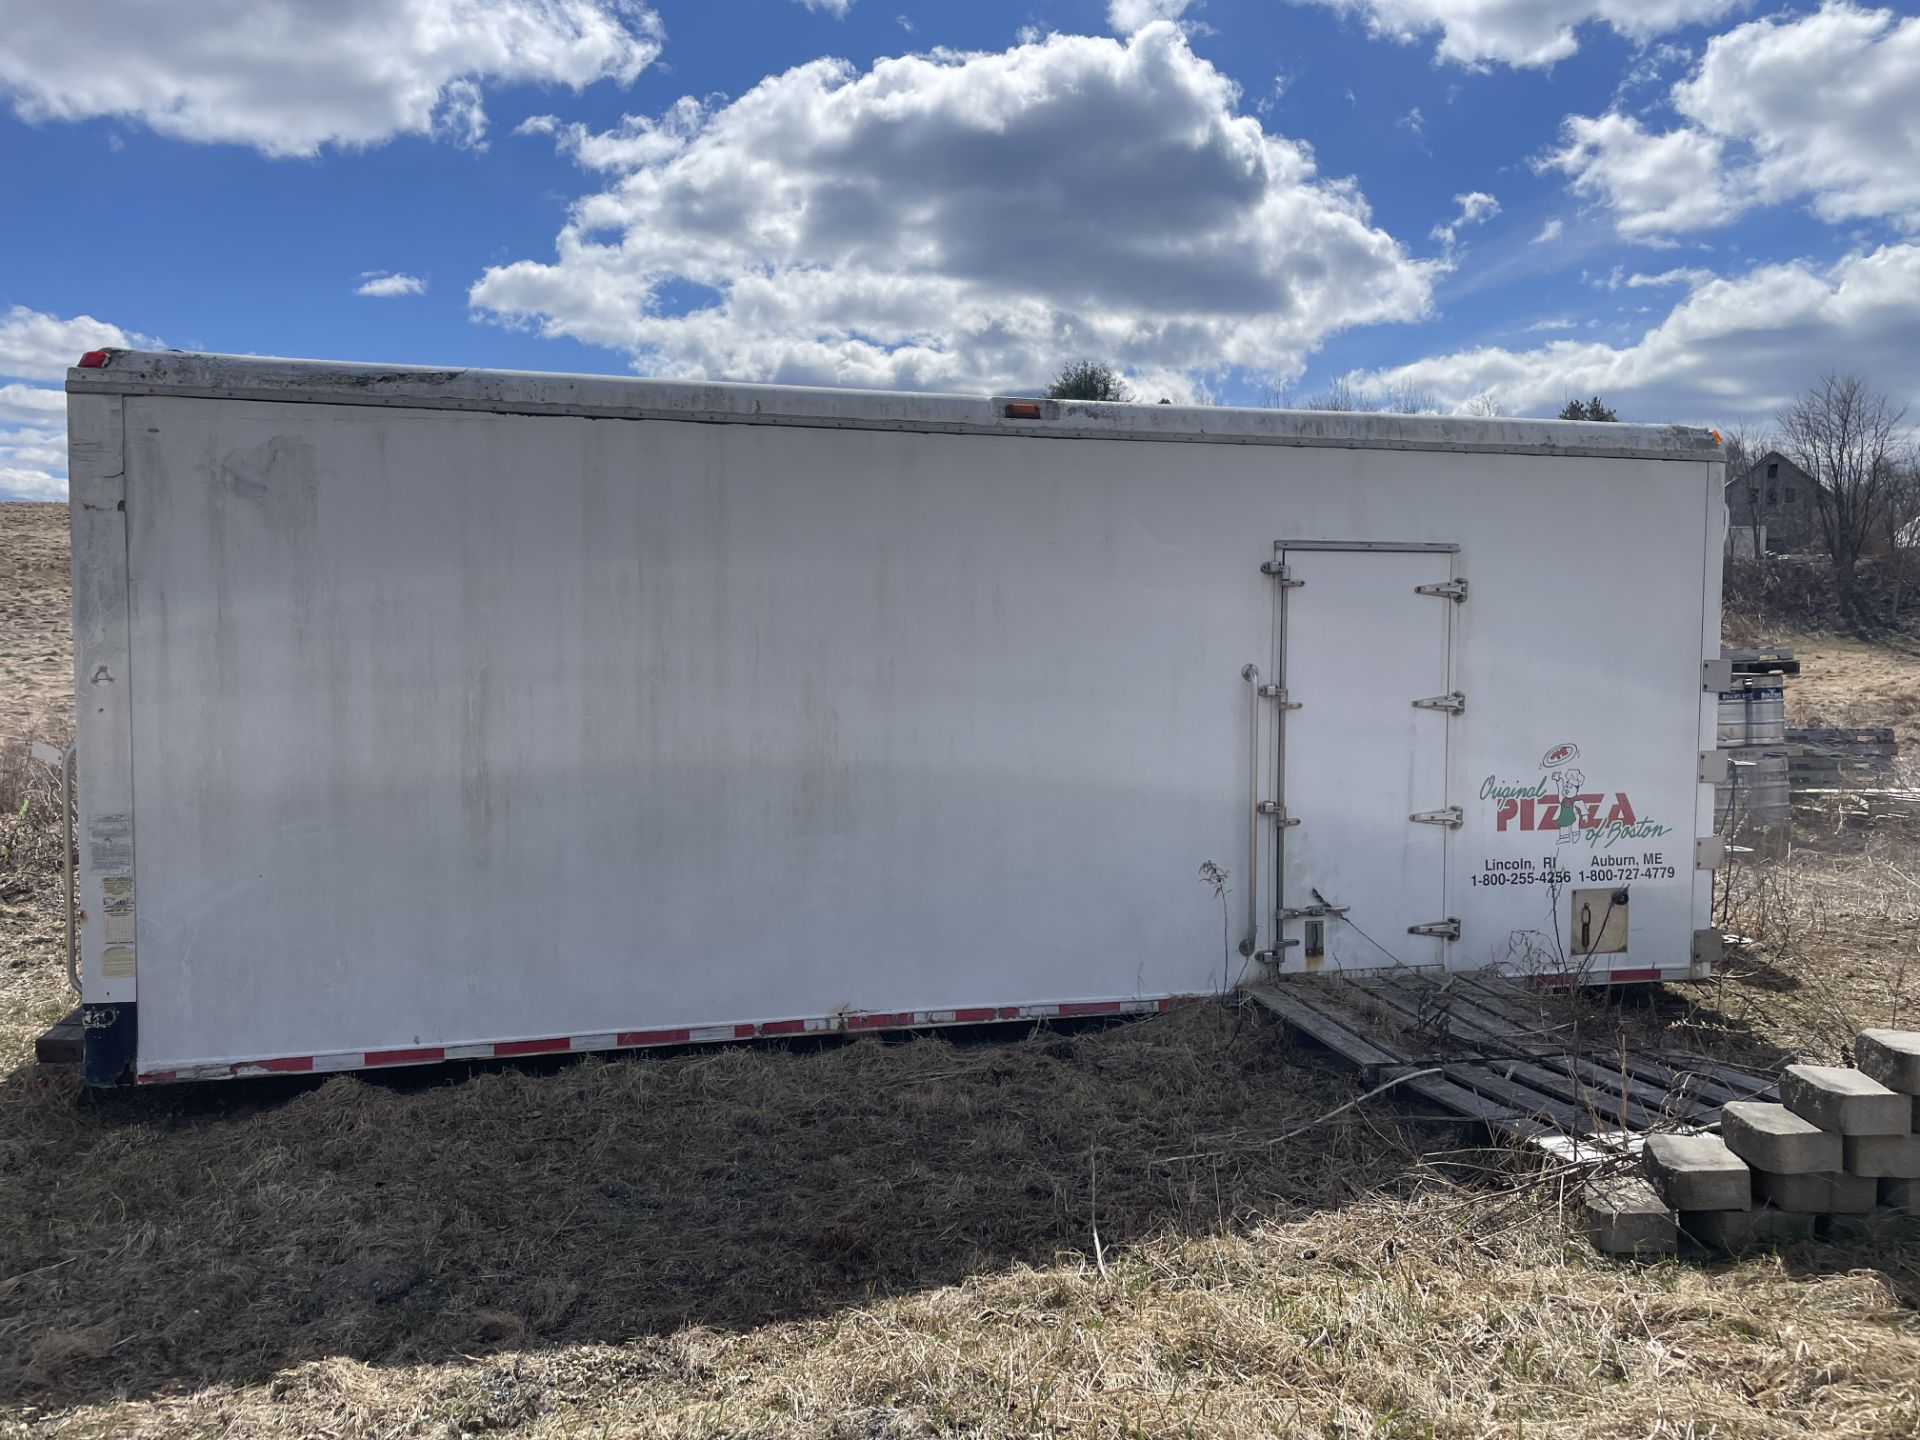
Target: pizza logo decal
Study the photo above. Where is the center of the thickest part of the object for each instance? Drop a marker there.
(1561, 802)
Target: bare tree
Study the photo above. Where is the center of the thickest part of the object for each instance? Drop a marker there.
(1744, 444)
(1487, 405)
(1407, 398)
(1845, 436)
(1340, 395)
(1404, 398)
(1900, 524)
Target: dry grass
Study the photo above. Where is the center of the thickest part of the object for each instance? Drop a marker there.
(899, 1239)
(36, 673)
(887, 1239)
(1845, 682)
(1836, 948)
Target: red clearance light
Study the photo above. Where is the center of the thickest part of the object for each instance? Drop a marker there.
(1023, 410)
(94, 360)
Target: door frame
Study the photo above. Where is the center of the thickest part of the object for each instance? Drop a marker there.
(1286, 584)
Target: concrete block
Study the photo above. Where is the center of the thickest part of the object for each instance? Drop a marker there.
(1807, 1193)
(1733, 1231)
(1788, 1227)
(1772, 1137)
(1870, 1228)
(1892, 1057)
(1884, 1156)
(1625, 1217)
(1853, 1194)
(1728, 1231)
(1845, 1101)
(1838, 1193)
(1697, 1172)
(1903, 1195)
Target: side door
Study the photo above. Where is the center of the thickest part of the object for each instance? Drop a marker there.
(1367, 809)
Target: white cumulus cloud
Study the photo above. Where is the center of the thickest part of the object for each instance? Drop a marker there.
(31, 404)
(969, 221)
(382, 284)
(1732, 347)
(1127, 16)
(1653, 183)
(1476, 208)
(1823, 108)
(33, 417)
(290, 76)
(34, 346)
(1522, 32)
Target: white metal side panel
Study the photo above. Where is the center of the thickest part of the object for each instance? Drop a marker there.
(462, 726)
(452, 726)
(103, 695)
(1359, 646)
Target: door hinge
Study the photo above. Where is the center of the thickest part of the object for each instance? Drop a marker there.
(1716, 675)
(1272, 957)
(1312, 912)
(1715, 767)
(1448, 929)
(1454, 703)
(1709, 852)
(1279, 693)
(1278, 570)
(1453, 817)
(1278, 812)
(1454, 590)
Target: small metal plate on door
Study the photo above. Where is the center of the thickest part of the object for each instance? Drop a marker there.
(1599, 921)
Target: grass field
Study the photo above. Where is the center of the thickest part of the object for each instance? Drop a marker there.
(907, 1239)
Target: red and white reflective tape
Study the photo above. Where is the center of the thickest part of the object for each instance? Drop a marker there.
(640, 1039)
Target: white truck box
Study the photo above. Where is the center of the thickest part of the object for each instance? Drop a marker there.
(426, 714)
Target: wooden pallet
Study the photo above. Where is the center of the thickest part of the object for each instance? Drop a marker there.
(1771, 660)
(1506, 1055)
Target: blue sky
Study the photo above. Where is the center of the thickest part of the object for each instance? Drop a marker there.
(1690, 206)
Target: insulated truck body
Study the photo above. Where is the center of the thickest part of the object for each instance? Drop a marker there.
(429, 714)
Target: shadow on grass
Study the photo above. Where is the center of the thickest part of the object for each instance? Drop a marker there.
(181, 1237)
(1692, 1018)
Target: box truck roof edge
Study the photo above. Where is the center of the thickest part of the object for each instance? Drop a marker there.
(240, 377)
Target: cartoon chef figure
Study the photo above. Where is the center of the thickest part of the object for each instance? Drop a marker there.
(1567, 818)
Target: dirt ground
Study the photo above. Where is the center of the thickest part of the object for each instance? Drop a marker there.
(880, 1240)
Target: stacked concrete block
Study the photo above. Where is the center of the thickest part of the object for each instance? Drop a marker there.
(1891, 1057)
(1709, 1188)
(1798, 1169)
(1625, 1216)
(1842, 1149)
(1839, 1158)
(1845, 1102)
